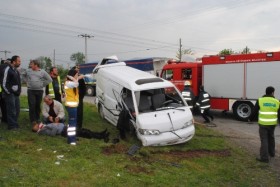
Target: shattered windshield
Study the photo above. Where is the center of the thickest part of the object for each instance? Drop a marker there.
(158, 99)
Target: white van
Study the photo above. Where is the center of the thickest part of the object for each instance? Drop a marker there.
(158, 113)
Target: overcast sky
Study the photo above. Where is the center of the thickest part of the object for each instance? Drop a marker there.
(135, 28)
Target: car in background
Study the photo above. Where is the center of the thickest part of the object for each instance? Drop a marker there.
(90, 86)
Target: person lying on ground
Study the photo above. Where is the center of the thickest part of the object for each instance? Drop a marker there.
(53, 129)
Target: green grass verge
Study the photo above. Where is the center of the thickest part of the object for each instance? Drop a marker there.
(207, 160)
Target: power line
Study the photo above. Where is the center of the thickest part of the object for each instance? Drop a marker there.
(5, 53)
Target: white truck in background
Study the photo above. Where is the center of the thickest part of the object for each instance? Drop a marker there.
(158, 113)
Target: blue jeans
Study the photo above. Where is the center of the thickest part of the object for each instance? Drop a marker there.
(72, 124)
(34, 103)
(12, 108)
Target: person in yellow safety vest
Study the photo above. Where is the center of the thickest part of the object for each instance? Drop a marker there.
(71, 103)
(54, 89)
(267, 108)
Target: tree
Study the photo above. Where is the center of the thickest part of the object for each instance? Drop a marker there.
(45, 62)
(78, 58)
(182, 52)
(246, 50)
(226, 52)
(62, 72)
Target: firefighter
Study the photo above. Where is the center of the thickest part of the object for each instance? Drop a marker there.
(267, 108)
(188, 94)
(203, 102)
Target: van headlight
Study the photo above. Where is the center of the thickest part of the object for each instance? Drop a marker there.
(149, 131)
(188, 123)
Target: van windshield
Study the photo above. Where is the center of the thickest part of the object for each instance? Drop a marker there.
(158, 99)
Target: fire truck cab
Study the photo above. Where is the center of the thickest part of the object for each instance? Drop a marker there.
(234, 82)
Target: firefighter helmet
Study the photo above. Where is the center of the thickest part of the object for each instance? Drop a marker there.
(187, 83)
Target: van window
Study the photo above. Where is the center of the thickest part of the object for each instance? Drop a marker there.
(127, 98)
(158, 99)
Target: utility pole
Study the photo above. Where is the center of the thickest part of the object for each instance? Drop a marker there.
(180, 50)
(85, 36)
(54, 57)
(5, 53)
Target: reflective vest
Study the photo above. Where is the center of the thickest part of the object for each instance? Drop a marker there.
(51, 90)
(72, 98)
(0, 88)
(188, 96)
(203, 101)
(268, 111)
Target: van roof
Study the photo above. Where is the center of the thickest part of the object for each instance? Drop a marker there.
(132, 78)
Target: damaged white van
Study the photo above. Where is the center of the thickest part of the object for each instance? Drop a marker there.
(157, 111)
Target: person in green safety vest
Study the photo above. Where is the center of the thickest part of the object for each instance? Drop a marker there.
(55, 88)
(267, 108)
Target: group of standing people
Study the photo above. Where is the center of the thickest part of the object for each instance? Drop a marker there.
(39, 80)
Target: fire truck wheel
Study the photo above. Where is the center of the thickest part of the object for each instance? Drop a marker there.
(100, 111)
(242, 110)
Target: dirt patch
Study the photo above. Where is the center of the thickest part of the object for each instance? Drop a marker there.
(115, 149)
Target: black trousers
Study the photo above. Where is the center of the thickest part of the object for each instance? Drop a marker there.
(34, 102)
(267, 141)
(80, 114)
(206, 113)
(3, 108)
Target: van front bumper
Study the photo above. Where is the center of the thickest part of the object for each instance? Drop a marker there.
(168, 138)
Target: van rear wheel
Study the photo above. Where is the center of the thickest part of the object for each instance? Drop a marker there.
(243, 110)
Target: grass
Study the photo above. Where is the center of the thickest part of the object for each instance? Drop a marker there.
(28, 159)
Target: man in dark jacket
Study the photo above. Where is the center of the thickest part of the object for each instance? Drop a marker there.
(55, 88)
(203, 102)
(11, 85)
(4, 64)
(267, 108)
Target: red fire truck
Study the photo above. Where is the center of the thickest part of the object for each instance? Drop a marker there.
(234, 82)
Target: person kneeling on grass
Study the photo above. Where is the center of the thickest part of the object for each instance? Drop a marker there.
(53, 129)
